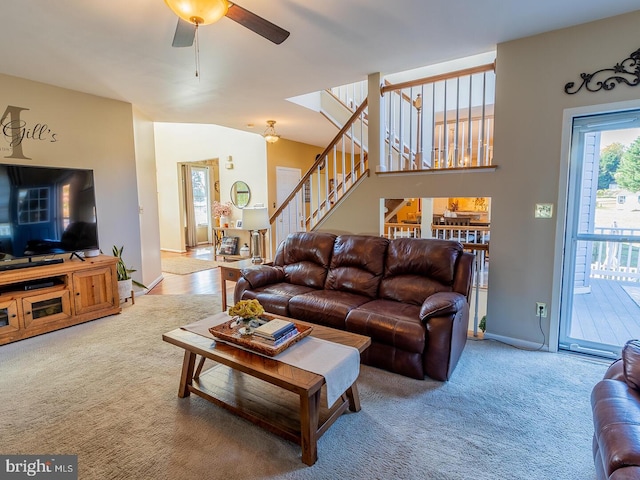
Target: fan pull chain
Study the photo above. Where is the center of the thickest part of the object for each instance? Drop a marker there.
(197, 52)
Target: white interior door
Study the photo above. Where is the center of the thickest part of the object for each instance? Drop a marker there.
(292, 218)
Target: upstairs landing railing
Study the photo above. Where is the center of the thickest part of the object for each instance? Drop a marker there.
(440, 122)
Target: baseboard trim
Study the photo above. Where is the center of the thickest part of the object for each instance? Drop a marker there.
(154, 283)
(516, 342)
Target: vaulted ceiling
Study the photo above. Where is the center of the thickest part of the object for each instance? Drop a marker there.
(121, 49)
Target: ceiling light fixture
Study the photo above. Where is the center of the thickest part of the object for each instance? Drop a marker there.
(199, 12)
(270, 134)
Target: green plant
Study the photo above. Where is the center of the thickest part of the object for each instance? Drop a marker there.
(124, 272)
(483, 323)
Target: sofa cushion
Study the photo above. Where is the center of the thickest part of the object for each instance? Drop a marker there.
(390, 323)
(275, 298)
(417, 268)
(325, 307)
(631, 363)
(305, 258)
(357, 264)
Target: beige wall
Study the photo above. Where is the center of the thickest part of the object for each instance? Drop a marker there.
(177, 143)
(91, 132)
(530, 103)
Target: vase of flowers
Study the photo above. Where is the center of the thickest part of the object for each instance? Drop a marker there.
(247, 313)
(222, 211)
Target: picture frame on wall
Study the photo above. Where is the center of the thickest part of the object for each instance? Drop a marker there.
(238, 223)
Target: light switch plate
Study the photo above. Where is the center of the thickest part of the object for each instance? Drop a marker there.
(544, 210)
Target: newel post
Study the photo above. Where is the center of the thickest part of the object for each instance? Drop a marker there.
(376, 124)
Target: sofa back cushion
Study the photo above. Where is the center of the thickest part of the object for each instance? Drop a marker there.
(305, 258)
(416, 268)
(357, 264)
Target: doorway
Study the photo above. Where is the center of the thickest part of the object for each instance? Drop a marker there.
(199, 189)
(600, 297)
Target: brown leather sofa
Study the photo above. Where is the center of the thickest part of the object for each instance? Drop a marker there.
(615, 402)
(409, 295)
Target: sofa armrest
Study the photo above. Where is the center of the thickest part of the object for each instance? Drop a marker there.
(261, 275)
(445, 316)
(631, 363)
(442, 303)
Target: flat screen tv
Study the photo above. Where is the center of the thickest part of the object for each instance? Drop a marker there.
(46, 211)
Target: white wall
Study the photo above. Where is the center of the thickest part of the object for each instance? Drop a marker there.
(179, 143)
(91, 132)
(147, 199)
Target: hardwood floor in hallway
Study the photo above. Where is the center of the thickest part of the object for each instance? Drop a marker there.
(199, 283)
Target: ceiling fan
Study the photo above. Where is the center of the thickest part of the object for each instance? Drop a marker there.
(193, 13)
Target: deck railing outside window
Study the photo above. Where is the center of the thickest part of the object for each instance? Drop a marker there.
(616, 260)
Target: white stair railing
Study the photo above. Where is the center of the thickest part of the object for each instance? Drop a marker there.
(440, 122)
(351, 95)
(336, 170)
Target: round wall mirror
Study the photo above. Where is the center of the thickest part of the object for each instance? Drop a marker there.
(240, 194)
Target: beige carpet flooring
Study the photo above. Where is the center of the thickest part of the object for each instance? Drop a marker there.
(186, 265)
(107, 391)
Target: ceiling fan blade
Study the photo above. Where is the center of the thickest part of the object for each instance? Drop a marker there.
(185, 33)
(257, 24)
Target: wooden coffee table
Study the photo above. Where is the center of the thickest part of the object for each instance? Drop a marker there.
(283, 399)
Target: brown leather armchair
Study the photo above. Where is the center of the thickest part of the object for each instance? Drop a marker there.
(409, 295)
(615, 402)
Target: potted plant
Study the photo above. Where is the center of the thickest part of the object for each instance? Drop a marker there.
(125, 282)
(247, 311)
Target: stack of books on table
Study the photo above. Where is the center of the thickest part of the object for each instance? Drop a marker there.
(275, 332)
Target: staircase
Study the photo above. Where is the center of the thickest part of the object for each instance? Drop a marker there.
(443, 122)
(339, 168)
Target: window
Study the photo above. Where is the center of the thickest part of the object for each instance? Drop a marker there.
(33, 205)
(621, 199)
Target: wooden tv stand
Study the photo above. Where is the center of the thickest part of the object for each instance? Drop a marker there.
(41, 299)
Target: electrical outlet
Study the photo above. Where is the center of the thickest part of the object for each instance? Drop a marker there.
(541, 309)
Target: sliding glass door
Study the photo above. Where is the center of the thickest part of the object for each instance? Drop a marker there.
(600, 300)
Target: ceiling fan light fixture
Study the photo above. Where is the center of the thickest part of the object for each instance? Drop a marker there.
(199, 12)
(270, 134)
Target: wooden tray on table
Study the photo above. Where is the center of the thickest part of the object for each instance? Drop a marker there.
(229, 332)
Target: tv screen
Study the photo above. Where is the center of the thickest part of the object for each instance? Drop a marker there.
(46, 211)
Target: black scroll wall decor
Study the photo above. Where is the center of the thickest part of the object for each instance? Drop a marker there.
(627, 71)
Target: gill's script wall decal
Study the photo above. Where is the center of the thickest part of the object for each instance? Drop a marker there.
(15, 131)
(627, 71)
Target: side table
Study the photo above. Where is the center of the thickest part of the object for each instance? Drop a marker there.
(231, 271)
